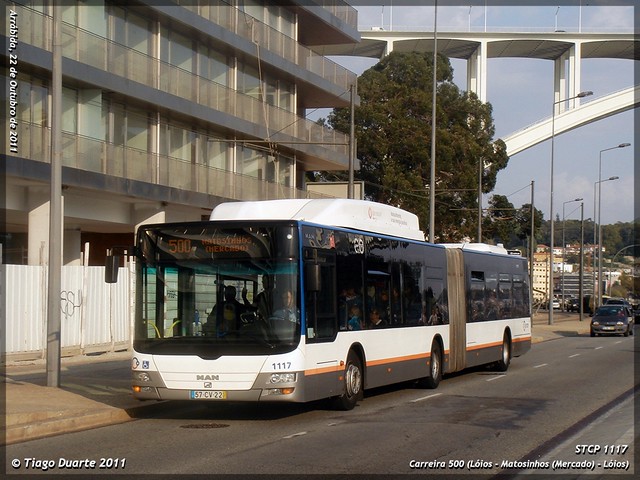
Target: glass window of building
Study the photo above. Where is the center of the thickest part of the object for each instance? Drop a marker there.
(177, 142)
(252, 162)
(249, 81)
(213, 152)
(69, 110)
(212, 65)
(285, 169)
(32, 100)
(137, 131)
(176, 50)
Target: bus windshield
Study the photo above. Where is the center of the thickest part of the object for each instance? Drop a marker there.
(208, 290)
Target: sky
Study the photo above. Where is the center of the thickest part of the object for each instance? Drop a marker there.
(521, 93)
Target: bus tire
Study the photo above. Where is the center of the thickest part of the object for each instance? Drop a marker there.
(435, 367)
(353, 384)
(502, 365)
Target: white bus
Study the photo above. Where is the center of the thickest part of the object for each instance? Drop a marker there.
(331, 297)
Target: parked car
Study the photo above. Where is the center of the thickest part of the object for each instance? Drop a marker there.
(573, 305)
(612, 320)
(556, 304)
(617, 301)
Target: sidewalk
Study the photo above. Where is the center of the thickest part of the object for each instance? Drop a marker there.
(95, 392)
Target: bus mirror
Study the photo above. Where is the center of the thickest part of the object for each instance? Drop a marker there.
(111, 265)
(312, 277)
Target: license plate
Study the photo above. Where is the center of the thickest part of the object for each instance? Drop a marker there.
(208, 394)
(608, 328)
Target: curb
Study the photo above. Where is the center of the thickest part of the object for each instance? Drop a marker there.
(30, 428)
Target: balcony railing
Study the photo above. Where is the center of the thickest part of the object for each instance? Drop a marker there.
(271, 39)
(115, 58)
(92, 155)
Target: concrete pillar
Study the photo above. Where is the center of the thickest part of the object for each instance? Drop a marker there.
(560, 73)
(575, 71)
(388, 49)
(38, 199)
(148, 213)
(477, 72)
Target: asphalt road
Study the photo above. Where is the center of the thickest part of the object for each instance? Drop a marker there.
(477, 418)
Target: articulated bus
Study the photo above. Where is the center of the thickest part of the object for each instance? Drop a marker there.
(300, 300)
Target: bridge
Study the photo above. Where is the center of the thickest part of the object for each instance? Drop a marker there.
(565, 49)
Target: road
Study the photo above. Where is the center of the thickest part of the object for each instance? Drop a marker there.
(477, 418)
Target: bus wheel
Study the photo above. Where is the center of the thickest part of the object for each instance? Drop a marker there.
(353, 384)
(435, 368)
(503, 364)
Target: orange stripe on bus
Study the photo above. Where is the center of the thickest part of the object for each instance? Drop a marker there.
(523, 339)
(319, 371)
(405, 358)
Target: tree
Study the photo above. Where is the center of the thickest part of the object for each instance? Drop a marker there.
(499, 223)
(393, 131)
(508, 225)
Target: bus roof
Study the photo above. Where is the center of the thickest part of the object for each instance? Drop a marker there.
(357, 214)
(479, 247)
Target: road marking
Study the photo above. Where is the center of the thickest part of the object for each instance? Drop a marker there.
(541, 365)
(598, 348)
(425, 398)
(574, 355)
(495, 378)
(295, 435)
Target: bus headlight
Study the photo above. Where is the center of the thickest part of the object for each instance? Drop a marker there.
(282, 378)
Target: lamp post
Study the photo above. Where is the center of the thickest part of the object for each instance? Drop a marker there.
(432, 191)
(564, 247)
(553, 121)
(622, 145)
(595, 240)
(581, 280)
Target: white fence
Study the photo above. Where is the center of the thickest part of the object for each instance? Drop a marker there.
(95, 316)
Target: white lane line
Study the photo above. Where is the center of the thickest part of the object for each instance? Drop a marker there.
(541, 365)
(295, 435)
(495, 378)
(598, 348)
(425, 398)
(574, 355)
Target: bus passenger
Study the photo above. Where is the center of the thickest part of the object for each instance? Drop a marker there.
(288, 311)
(348, 299)
(435, 318)
(375, 321)
(355, 318)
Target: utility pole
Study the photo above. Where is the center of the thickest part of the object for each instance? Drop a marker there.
(55, 209)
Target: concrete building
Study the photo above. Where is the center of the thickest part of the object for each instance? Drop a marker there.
(167, 110)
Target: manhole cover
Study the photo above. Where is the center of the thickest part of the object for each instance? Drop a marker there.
(205, 425)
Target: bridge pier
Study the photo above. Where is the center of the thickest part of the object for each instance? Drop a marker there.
(566, 78)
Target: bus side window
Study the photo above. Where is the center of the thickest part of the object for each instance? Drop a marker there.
(320, 300)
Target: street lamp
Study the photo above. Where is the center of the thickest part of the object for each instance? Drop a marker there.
(564, 247)
(553, 121)
(622, 145)
(596, 243)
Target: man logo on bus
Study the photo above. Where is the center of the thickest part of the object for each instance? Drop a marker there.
(207, 377)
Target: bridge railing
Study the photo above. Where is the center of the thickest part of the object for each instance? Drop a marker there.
(364, 29)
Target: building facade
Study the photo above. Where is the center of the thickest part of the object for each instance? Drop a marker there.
(168, 108)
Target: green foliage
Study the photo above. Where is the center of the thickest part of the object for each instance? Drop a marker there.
(393, 127)
(503, 223)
